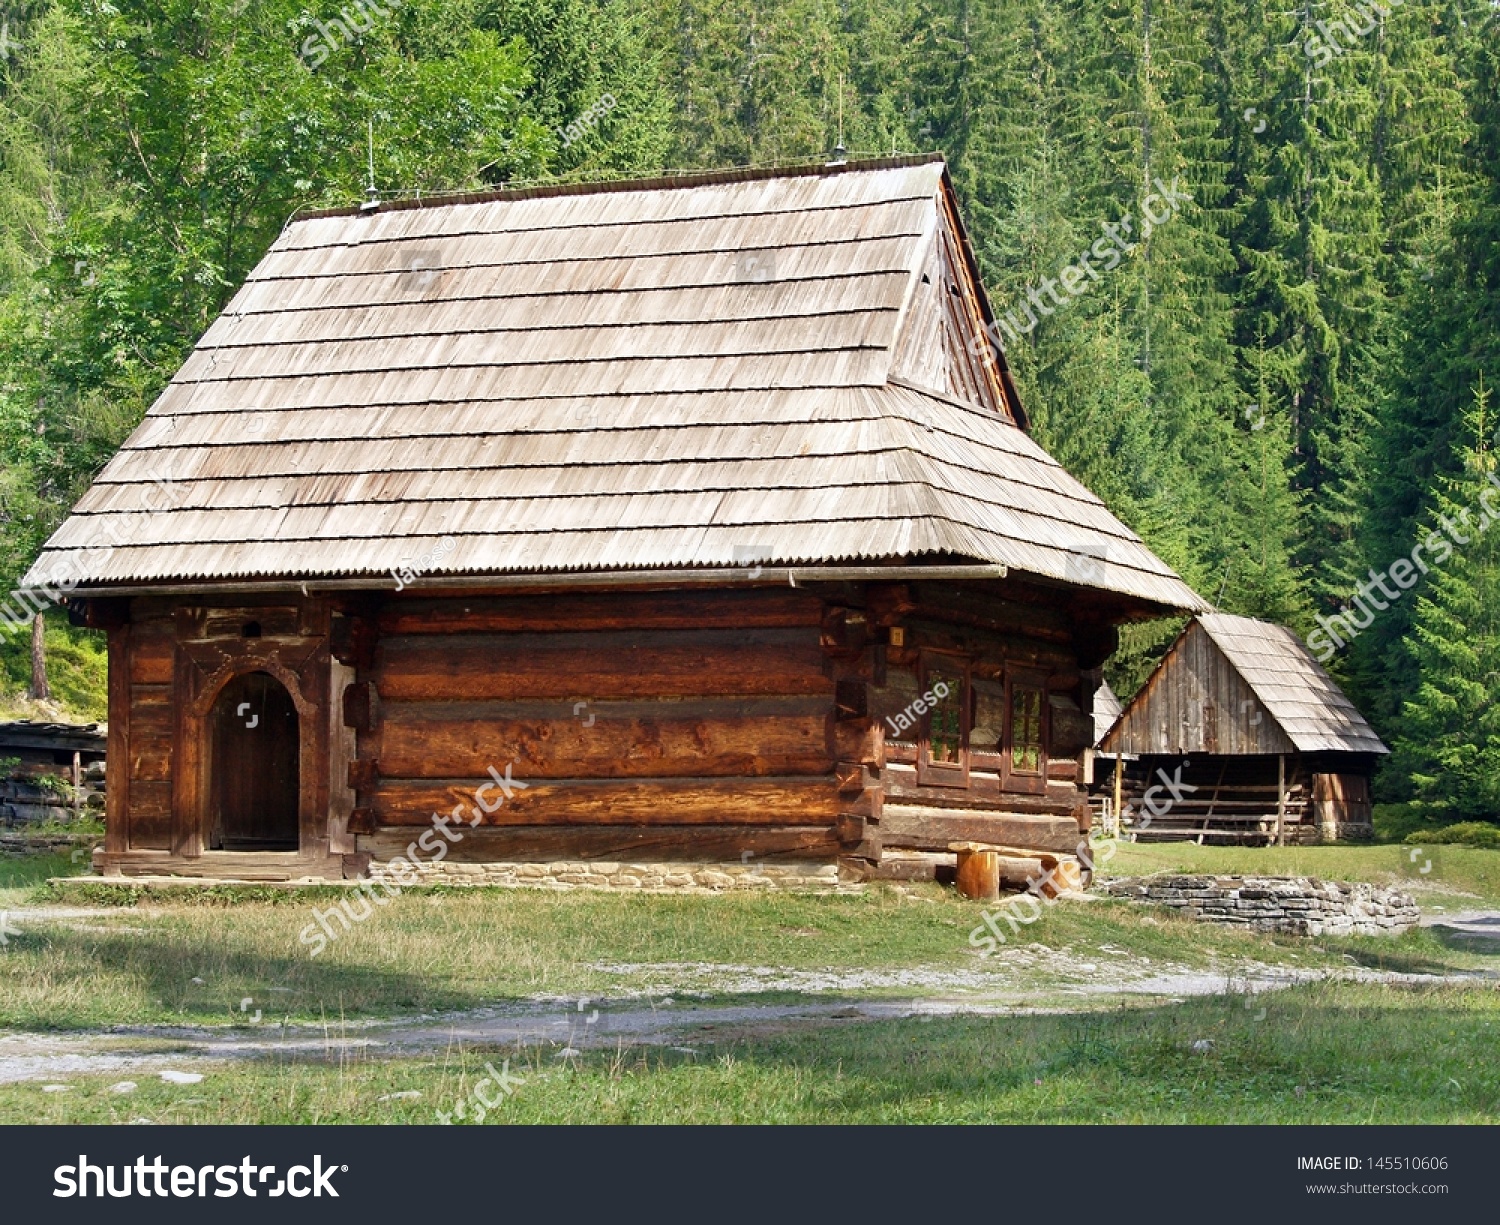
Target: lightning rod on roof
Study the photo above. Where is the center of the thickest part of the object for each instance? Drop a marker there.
(838, 149)
(372, 197)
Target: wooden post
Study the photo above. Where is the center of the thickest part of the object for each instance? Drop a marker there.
(1281, 799)
(39, 690)
(77, 784)
(1119, 793)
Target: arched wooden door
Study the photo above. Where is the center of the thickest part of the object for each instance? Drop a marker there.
(253, 767)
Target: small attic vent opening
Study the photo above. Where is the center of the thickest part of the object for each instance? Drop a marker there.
(251, 630)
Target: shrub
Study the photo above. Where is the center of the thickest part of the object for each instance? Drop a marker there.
(1465, 833)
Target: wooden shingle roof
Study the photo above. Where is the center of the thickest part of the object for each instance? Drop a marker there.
(678, 374)
(1235, 685)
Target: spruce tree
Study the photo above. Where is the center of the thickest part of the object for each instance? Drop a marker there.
(1449, 742)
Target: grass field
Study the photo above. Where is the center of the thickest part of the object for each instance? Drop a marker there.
(1321, 1052)
(1318, 1054)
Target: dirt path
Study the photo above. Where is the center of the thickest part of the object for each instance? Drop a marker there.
(1476, 930)
(568, 1026)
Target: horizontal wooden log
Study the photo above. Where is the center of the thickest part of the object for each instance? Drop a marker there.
(934, 829)
(983, 791)
(762, 801)
(268, 866)
(669, 610)
(699, 738)
(153, 651)
(859, 740)
(1018, 871)
(1062, 770)
(597, 667)
(363, 773)
(704, 843)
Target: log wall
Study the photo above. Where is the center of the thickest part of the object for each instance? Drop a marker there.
(998, 636)
(691, 725)
(669, 725)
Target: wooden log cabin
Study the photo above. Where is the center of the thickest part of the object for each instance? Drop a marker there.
(1240, 736)
(667, 500)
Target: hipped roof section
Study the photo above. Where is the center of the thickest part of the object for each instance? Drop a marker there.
(777, 366)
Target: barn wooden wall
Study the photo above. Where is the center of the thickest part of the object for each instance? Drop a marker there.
(1198, 703)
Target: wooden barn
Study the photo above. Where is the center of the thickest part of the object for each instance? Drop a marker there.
(1240, 735)
(692, 519)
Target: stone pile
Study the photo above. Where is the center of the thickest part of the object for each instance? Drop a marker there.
(1296, 905)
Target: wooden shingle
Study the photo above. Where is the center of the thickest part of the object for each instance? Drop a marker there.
(602, 377)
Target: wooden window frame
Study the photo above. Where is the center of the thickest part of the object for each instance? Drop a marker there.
(944, 773)
(1025, 781)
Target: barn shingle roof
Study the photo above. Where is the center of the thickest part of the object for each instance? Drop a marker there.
(1303, 699)
(686, 373)
(1237, 686)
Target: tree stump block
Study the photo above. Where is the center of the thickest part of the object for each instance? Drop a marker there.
(978, 870)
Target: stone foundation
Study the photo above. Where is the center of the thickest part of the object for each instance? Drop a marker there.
(43, 844)
(1296, 905)
(678, 877)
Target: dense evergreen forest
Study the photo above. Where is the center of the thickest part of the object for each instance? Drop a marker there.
(1280, 378)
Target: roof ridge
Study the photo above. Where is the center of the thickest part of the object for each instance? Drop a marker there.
(668, 179)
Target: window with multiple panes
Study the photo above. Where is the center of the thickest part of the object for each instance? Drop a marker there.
(1026, 729)
(945, 723)
(1025, 750)
(943, 749)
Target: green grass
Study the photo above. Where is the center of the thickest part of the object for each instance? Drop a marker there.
(23, 878)
(77, 674)
(1332, 1053)
(459, 949)
(445, 950)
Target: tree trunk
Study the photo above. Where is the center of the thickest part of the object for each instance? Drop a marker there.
(39, 689)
